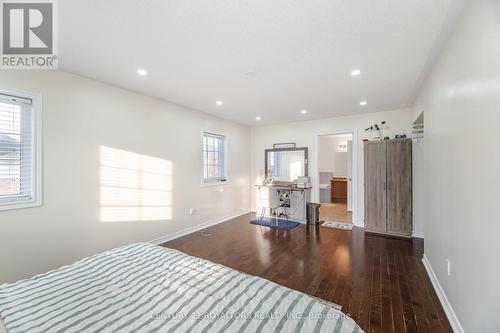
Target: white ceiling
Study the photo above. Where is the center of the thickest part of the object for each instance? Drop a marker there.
(197, 52)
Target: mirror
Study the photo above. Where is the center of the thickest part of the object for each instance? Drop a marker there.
(286, 164)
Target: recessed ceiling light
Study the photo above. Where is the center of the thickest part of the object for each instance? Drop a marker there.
(219, 102)
(251, 73)
(258, 118)
(142, 72)
(355, 72)
(363, 103)
(303, 111)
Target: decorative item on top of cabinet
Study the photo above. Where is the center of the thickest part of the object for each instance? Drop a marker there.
(388, 187)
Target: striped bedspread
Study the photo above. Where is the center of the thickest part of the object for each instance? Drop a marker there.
(148, 288)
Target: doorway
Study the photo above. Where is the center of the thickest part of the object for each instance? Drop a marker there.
(335, 154)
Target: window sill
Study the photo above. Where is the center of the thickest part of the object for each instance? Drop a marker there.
(214, 184)
(19, 205)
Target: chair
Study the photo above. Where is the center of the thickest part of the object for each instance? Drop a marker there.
(270, 199)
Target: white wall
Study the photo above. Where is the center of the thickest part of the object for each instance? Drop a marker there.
(82, 116)
(305, 134)
(461, 100)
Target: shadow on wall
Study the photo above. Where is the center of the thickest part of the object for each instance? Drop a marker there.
(134, 187)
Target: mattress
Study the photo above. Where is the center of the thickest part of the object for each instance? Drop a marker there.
(145, 288)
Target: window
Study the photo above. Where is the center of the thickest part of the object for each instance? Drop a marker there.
(214, 158)
(275, 164)
(19, 155)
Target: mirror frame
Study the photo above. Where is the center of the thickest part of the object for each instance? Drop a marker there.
(304, 149)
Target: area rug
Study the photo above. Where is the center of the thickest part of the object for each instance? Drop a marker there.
(271, 223)
(337, 225)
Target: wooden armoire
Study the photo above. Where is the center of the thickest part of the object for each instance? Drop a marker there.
(388, 187)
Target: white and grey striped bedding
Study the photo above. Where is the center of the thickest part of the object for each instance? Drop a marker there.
(147, 288)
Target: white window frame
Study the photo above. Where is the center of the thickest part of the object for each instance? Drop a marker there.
(36, 199)
(210, 182)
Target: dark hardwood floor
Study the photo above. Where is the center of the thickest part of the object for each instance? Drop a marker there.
(380, 282)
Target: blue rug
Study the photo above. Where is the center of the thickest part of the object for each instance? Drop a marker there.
(271, 223)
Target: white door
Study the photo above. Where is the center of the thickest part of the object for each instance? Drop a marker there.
(349, 176)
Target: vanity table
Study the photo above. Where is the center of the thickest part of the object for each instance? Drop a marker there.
(295, 205)
(284, 166)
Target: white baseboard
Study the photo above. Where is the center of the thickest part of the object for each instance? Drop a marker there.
(358, 224)
(196, 228)
(448, 309)
(417, 234)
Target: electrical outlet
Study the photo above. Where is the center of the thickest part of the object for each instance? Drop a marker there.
(448, 267)
(192, 211)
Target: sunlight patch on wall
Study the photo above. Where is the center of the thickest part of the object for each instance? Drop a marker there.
(134, 187)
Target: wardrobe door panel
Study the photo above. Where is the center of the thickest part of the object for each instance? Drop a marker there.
(399, 187)
(375, 183)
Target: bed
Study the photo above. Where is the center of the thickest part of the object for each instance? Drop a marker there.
(147, 288)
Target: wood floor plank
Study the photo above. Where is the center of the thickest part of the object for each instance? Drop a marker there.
(347, 296)
(397, 305)
(364, 311)
(387, 317)
(380, 282)
(415, 296)
(339, 290)
(409, 315)
(376, 298)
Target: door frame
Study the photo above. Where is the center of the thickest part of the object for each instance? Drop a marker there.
(349, 163)
(354, 171)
